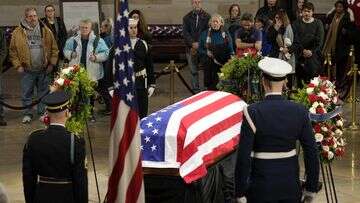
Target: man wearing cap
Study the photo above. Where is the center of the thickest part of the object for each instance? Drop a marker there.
(143, 69)
(267, 168)
(54, 159)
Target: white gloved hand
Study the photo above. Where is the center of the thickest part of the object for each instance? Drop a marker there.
(308, 197)
(241, 200)
(151, 91)
(111, 92)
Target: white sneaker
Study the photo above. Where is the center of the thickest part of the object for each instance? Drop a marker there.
(26, 119)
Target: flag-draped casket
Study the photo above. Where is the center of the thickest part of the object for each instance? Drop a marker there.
(192, 134)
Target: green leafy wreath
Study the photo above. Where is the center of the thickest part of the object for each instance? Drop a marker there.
(75, 81)
(237, 73)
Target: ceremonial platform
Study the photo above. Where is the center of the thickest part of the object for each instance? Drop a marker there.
(13, 136)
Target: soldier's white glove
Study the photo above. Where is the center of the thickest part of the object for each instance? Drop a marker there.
(308, 197)
(241, 200)
(151, 91)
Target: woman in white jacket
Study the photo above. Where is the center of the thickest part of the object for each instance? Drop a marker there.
(89, 50)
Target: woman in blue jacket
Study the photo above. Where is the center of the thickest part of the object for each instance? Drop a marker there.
(216, 48)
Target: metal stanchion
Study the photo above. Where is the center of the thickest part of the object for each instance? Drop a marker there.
(328, 64)
(172, 81)
(351, 62)
(354, 71)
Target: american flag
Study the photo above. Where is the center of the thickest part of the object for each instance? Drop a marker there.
(126, 180)
(192, 134)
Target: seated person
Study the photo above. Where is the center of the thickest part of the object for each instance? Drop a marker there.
(248, 38)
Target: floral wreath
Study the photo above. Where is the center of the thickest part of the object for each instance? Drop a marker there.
(74, 80)
(321, 98)
(238, 73)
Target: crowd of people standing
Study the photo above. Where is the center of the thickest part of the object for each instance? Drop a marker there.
(39, 46)
(294, 35)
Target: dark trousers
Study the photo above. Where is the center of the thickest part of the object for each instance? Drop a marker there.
(343, 82)
(102, 89)
(303, 76)
(290, 81)
(143, 101)
(55, 193)
(211, 77)
(104, 93)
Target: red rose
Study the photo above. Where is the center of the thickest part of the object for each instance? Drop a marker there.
(67, 82)
(325, 154)
(317, 128)
(310, 85)
(331, 142)
(339, 151)
(312, 98)
(320, 110)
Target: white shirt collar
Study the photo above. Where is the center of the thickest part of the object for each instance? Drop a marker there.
(310, 21)
(58, 124)
(133, 42)
(273, 93)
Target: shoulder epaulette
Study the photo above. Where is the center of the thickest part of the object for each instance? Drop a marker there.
(37, 131)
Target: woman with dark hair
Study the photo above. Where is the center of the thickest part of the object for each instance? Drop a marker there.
(265, 44)
(106, 31)
(281, 37)
(143, 31)
(337, 44)
(299, 6)
(232, 23)
(216, 47)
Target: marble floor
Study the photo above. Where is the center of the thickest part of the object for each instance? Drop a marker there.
(12, 138)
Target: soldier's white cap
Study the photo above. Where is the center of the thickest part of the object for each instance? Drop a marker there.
(274, 69)
(133, 21)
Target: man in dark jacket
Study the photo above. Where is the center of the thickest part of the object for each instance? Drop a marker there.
(54, 165)
(57, 27)
(194, 23)
(307, 46)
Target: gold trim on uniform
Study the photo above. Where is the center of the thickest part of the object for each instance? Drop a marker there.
(57, 107)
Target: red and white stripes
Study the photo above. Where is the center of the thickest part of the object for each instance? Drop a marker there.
(126, 181)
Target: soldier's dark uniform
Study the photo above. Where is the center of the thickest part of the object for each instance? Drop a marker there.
(52, 172)
(267, 168)
(144, 74)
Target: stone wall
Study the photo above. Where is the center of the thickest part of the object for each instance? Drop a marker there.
(156, 11)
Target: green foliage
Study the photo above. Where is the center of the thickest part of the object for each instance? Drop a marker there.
(81, 88)
(301, 97)
(235, 74)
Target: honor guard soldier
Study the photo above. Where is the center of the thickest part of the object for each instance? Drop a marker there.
(143, 69)
(54, 159)
(267, 168)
